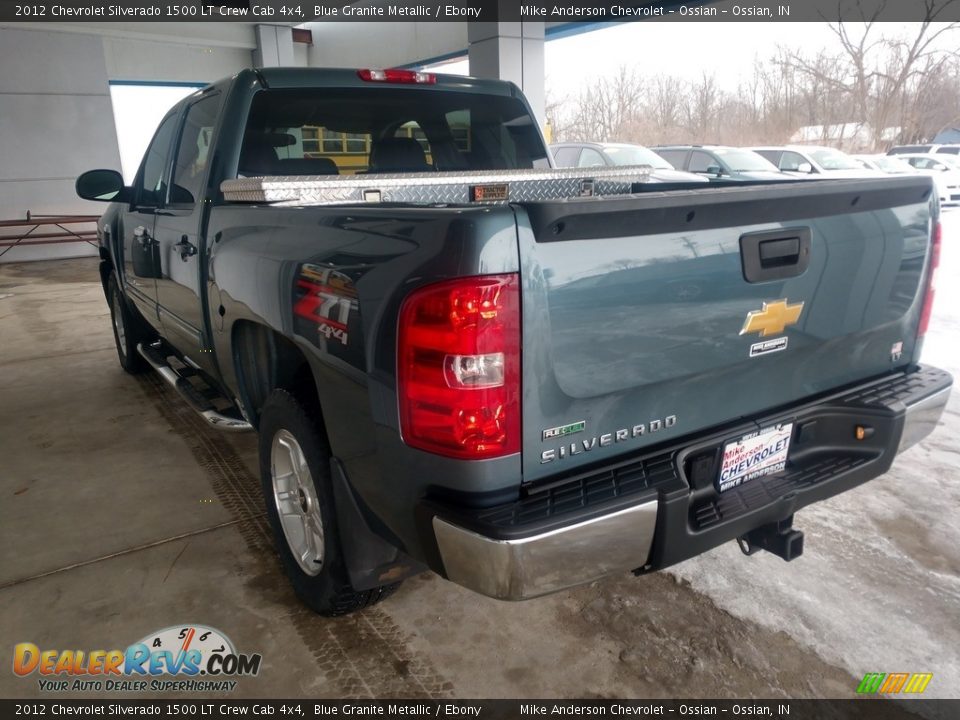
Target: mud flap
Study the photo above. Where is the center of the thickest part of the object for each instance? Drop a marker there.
(371, 560)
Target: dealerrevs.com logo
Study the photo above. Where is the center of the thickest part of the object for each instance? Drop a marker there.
(182, 658)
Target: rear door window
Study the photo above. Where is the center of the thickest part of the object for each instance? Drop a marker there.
(566, 156)
(677, 158)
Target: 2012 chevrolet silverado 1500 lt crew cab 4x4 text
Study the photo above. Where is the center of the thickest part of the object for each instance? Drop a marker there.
(521, 377)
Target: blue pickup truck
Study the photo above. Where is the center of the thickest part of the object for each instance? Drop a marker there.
(461, 358)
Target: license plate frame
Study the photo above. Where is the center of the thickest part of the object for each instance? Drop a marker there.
(754, 455)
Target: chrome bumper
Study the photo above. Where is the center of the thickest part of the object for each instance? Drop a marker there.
(540, 564)
(620, 541)
(922, 417)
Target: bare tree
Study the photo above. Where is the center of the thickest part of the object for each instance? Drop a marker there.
(881, 83)
(606, 109)
(875, 78)
(701, 110)
(664, 107)
(553, 109)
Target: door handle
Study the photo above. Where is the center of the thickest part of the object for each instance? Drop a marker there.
(185, 248)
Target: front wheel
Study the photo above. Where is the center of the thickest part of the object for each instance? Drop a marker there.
(129, 329)
(295, 476)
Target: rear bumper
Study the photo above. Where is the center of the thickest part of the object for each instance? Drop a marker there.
(526, 567)
(654, 510)
(921, 417)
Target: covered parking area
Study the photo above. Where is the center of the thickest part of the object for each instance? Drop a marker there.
(123, 513)
(61, 81)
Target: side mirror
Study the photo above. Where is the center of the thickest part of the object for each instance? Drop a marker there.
(714, 170)
(805, 167)
(102, 186)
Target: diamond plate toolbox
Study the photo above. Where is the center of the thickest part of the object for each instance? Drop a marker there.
(437, 188)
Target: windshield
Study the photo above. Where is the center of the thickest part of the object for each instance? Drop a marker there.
(833, 159)
(745, 160)
(635, 155)
(949, 160)
(893, 164)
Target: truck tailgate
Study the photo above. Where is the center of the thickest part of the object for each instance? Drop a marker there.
(647, 318)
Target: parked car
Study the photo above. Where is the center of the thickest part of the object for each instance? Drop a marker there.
(719, 162)
(952, 149)
(809, 160)
(618, 154)
(453, 357)
(885, 163)
(932, 149)
(945, 171)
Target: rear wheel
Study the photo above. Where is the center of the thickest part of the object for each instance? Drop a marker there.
(129, 329)
(295, 475)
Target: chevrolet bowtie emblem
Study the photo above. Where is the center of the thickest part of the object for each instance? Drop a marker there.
(772, 320)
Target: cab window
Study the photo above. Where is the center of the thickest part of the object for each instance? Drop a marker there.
(190, 167)
(151, 188)
(385, 130)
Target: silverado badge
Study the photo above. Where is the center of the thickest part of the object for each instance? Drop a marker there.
(772, 319)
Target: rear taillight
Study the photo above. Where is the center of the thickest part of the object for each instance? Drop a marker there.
(458, 367)
(398, 76)
(931, 280)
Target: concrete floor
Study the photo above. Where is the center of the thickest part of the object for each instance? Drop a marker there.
(123, 514)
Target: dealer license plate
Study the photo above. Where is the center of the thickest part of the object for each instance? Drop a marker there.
(754, 455)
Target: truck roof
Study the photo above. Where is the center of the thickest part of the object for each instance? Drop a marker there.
(296, 77)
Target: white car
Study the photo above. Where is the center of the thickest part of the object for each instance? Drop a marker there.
(945, 171)
(809, 160)
(587, 154)
(890, 164)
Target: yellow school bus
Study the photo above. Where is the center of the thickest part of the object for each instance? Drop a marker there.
(351, 151)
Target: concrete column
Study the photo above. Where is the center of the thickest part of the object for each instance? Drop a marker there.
(56, 121)
(274, 46)
(511, 51)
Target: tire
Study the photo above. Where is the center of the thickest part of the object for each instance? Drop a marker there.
(129, 329)
(295, 475)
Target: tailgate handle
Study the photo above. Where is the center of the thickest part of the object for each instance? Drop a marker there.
(775, 255)
(779, 252)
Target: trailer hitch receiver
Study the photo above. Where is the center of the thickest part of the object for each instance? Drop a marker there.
(778, 538)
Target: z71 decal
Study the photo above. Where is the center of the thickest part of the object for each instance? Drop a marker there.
(328, 300)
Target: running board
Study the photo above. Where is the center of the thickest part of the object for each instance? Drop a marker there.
(189, 393)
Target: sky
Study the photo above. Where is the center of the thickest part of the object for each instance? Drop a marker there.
(673, 48)
(684, 49)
